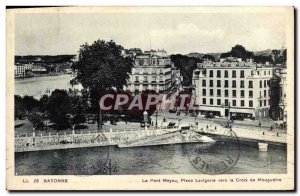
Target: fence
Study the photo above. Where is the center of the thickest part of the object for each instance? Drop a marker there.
(73, 140)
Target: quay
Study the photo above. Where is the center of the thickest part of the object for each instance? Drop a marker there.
(140, 137)
(247, 134)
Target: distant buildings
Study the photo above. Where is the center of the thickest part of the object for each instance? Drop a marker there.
(153, 70)
(233, 88)
(22, 70)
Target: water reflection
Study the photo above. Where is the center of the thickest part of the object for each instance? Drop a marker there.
(166, 159)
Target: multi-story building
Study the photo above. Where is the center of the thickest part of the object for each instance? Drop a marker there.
(283, 94)
(21, 70)
(234, 87)
(153, 70)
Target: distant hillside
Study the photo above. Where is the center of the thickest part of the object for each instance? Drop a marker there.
(267, 52)
(44, 59)
(200, 55)
(217, 55)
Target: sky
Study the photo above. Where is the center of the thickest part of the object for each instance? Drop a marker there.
(55, 34)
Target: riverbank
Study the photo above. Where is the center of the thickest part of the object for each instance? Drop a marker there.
(139, 137)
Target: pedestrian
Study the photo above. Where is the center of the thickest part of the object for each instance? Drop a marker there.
(259, 123)
(271, 128)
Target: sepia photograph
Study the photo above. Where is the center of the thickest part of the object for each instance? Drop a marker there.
(150, 98)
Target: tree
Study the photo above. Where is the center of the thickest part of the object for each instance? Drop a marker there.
(30, 103)
(101, 67)
(19, 107)
(36, 118)
(58, 108)
(208, 57)
(77, 110)
(238, 51)
(186, 65)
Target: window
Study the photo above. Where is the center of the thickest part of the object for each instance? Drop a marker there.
(242, 103)
(204, 83)
(265, 93)
(233, 102)
(211, 102)
(265, 73)
(226, 93)
(218, 101)
(226, 83)
(219, 93)
(257, 72)
(218, 83)
(234, 93)
(204, 101)
(242, 74)
(204, 92)
(218, 74)
(260, 84)
(260, 103)
(233, 84)
(234, 74)
(265, 103)
(226, 102)
(250, 94)
(250, 84)
(226, 74)
(242, 93)
(211, 92)
(242, 84)
(265, 83)
(136, 78)
(211, 73)
(250, 103)
(211, 83)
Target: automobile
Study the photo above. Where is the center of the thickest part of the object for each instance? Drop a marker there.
(172, 110)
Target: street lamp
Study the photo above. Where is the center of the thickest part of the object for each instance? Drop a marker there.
(145, 119)
(156, 112)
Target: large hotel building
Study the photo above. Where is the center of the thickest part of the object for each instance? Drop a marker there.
(233, 87)
(153, 70)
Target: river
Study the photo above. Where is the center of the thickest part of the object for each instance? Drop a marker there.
(37, 86)
(164, 159)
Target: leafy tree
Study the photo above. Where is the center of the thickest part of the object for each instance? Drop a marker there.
(186, 65)
(238, 51)
(262, 59)
(20, 110)
(36, 118)
(101, 67)
(209, 57)
(77, 110)
(30, 103)
(58, 108)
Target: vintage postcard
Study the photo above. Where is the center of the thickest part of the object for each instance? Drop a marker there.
(150, 98)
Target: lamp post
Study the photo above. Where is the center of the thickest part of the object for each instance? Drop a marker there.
(156, 112)
(145, 119)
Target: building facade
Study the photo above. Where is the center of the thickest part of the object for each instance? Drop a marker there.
(22, 70)
(234, 88)
(153, 70)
